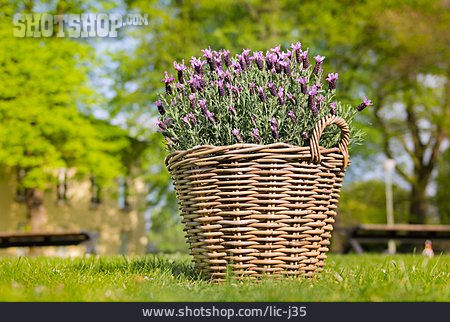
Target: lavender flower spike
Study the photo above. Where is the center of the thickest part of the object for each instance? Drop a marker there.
(220, 87)
(305, 60)
(226, 57)
(160, 107)
(261, 94)
(192, 100)
(318, 67)
(333, 108)
(258, 57)
(237, 135)
(246, 55)
(296, 48)
(197, 64)
(280, 95)
(192, 118)
(167, 80)
(364, 104)
(180, 68)
(271, 87)
(232, 110)
(292, 116)
(161, 125)
(274, 128)
(291, 98)
(312, 101)
(303, 86)
(255, 134)
(332, 78)
(185, 119)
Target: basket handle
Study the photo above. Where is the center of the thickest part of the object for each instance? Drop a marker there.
(317, 133)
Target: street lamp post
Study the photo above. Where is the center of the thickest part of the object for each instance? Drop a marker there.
(389, 165)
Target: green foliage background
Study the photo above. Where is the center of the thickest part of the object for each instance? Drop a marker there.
(395, 52)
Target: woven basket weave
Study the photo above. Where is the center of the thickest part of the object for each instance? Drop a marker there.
(260, 209)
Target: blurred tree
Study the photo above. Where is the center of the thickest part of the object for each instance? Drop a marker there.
(44, 81)
(396, 52)
(364, 202)
(411, 85)
(443, 187)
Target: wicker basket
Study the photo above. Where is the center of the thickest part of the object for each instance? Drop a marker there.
(260, 209)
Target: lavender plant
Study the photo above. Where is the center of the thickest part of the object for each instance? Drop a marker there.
(251, 98)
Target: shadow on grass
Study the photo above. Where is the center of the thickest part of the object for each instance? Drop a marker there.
(143, 265)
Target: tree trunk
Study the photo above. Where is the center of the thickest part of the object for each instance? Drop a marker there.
(418, 206)
(37, 214)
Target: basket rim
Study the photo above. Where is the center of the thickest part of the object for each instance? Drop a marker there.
(314, 147)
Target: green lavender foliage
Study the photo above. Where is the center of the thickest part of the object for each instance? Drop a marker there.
(251, 111)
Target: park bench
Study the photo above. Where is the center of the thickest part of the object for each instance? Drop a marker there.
(405, 233)
(39, 239)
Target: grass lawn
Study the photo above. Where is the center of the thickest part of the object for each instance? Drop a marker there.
(162, 278)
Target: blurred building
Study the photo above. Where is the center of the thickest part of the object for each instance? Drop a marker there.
(113, 215)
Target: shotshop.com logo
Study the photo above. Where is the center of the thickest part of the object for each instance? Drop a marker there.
(74, 25)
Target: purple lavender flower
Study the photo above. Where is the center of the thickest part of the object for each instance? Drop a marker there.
(226, 57)
(179, 86)
(210, 55)
(253, 119)
(186, 119)
(291, 98)
(270, 59)
(233, 89)
(261, 94)
(218, 61)
(303, 86)
(319, 85)
(318, 67)
(293, 117)
(201, 83)
(278, 66)
(333, 108)
(192, 100)
(160, 107)
(312, 91)
(220, 87)
(180, 68)
(167, 80)
(332, 78)
(246, 55)
(364, 104)
(161, 125)
(305, 60)
(210, 116)
(296, 48)
(193, 84)
(271, 87)
(312, 101)
(197, 64)
(319, 100)
(192, 118)
(202, 104)
(255, 134)
(251, 87)
(304, 135)
(207, 53)
(242, 61)
(280, 95)
(276, 50)
(286, 67)
(236, 67)
(232, 110)
(274, 127)
(258, 57)
(237, 135)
